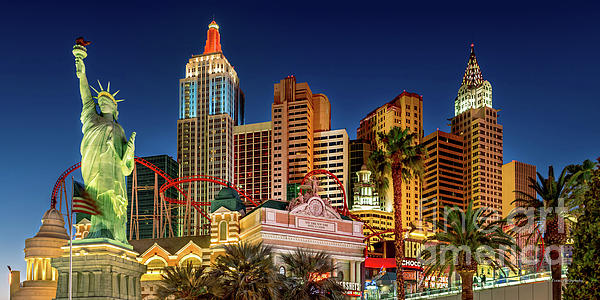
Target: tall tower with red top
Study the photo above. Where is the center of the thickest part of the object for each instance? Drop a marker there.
(213, 39)
(211, 103)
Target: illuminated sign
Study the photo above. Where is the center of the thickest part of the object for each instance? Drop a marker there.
(350, 286)
(435, 282)
(315, 277)
(412, 264)
(412, 249)
(410, 276)
(353, 293)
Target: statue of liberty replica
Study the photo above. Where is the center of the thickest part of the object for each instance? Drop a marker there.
(106, 156)
(109, 269)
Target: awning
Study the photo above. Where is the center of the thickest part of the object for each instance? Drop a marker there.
(377, 263)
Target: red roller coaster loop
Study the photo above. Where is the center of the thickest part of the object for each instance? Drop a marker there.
(378, 234)
(76, 166)
(170, 182)
(339, 183)
(510, 228)
(344, 211)
(59, 181)
(204, 178)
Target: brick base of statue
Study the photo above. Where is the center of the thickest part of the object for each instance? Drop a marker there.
(101, 271)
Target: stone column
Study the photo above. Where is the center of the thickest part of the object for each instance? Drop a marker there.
(63, 282)
(335, 272)
(352, 271)
(114, 283)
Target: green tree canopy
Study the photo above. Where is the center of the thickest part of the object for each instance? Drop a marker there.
(469, 239)
(306, 279)
(380, 169)
(245, 272)
(185, 282)
(584, 271)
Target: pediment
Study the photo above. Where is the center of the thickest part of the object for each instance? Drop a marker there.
(316, 207)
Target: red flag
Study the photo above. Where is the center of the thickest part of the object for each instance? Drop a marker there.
(82, 201)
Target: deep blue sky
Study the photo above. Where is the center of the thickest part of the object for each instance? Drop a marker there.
(542, 60)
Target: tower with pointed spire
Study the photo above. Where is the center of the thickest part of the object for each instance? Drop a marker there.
(476, 121)
(474, 91)
(211, 103)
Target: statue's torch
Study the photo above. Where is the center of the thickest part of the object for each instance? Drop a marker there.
(80, 52)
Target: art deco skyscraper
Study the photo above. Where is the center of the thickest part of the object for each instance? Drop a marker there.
(477, 122)
(210, 104)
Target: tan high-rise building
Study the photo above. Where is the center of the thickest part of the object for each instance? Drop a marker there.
(404, 111)
(331, 153)
(516, 177)
(210, 104)
(252, 160)
(443, 184)
(297, 114)
(477, 122)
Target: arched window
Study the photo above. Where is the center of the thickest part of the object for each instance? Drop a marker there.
(191, 258)
(223, 231)
(156, 262)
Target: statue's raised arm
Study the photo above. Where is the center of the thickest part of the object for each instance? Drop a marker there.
(84, 88)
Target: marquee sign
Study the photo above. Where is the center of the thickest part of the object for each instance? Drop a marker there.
(390, 263)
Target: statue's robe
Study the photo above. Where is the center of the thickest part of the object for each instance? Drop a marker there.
(102, 150)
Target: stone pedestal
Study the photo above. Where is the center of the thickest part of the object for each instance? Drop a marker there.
(101, 271)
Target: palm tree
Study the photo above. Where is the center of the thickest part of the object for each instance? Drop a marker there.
(380, 169)
(558, 197)
(467, 241)
(245, 272)
(307, 280)
(583, 175)
(405, 156)
(185, 282)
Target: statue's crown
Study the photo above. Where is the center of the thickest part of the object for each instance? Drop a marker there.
(106, 93)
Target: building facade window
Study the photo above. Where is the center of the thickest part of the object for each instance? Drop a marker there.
(223, 231)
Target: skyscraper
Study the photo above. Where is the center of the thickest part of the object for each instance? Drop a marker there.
(443, 175)
(252, 159)
(331, 152)
(516, 177)
(147, 181)
(210, 104)
(359, 154)
(477, 122)
(404, 111)
(297, 114)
